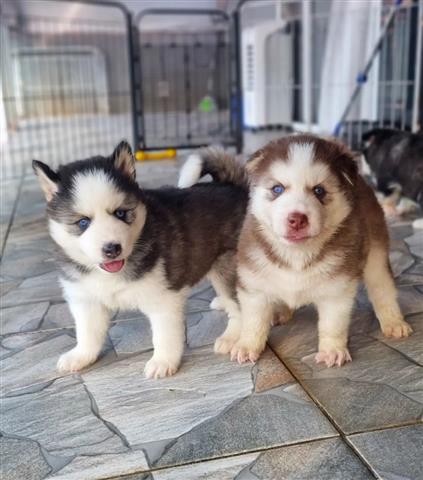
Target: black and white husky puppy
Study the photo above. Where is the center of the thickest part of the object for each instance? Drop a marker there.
(122, 247)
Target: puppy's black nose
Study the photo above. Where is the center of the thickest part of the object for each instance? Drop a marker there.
(112, 250)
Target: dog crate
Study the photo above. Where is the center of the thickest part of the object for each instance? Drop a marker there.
(189, 88)
(66, 81)
(79, 76)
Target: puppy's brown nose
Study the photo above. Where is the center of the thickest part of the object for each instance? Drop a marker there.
(297, 220)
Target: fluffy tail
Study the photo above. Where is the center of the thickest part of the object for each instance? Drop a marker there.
(222, 166)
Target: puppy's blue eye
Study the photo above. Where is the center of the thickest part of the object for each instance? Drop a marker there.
(278, 189)
(120, 214)
(84, 223)
(319, 191)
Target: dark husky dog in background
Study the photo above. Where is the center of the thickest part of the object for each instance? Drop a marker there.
(395, 158)
(123, 247)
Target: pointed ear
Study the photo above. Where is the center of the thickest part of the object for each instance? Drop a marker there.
(49, 180)
(348, 166)
(124, 160)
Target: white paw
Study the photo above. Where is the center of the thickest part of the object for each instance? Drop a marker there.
(159, 368)
(399, 329)
(75, 360)
(224, 344)
(333, 357)
(242, 353)
(216, 304)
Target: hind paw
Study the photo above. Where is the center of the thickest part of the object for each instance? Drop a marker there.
(333, 357)
(397, 330)
(216, 304)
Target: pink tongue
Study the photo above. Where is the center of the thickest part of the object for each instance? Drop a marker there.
(113, 267)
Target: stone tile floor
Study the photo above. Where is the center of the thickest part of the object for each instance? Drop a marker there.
(283, 418)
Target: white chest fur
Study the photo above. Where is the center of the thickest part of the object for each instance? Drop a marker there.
(296, 287)
(116, 292)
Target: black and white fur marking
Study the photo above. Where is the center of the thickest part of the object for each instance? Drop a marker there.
(164, 241)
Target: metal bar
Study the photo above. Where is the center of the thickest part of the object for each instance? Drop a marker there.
(418, 72)
(184, 11)
(361, 79)
(136, 137)
(307, 63)
(238, 113)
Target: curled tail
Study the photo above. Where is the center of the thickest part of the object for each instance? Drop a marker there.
(222, 166)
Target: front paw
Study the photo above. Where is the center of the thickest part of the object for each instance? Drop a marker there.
(333, 357)
(224, 344)
(400, 329)
(244, 352)
(75, 360)
(158, 367)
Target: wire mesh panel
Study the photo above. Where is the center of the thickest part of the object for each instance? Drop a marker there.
(65, 82)
(188, 85)
(319, 48)
(391, 81)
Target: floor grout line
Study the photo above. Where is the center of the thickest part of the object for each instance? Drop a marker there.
(13, 214)
(326, 414)
(222, 457)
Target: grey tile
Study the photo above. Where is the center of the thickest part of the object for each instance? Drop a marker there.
(321, 460)
(58, 316)
(204, 327)
(329, 459)
(412, 347)
(380, 387)
(204, 386)
(401, 231)
(6, 285)
(62, 419)
(8, 194)
(25, 263)
(41, 288)
(286, 415)
(415, 242)
(400, 259)
(394, 454)
(35, 364)
(15, 343)
(22, 460)
(131, 336)
(357, 406)
(410, 300)
(23, 318)
(223, 469)
(102, 466)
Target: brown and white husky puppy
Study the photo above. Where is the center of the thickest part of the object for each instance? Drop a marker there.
(313, 230)
(122, 247)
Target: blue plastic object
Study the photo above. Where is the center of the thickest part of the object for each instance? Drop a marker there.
(361, 78)
(337, 130)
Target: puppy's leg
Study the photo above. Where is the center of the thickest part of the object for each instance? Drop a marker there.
(223, 279)
(334, 321)
(91, 321)
(256, 314)
(167, 324)
(381, 289)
